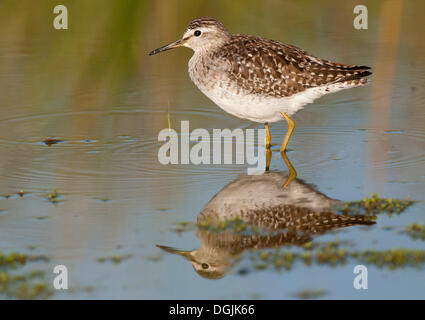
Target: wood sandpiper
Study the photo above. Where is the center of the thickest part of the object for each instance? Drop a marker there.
(258, 79)
(285, 216)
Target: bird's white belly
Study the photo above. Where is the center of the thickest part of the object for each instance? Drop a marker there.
(259, 108)
(256, 107)
(247, 106)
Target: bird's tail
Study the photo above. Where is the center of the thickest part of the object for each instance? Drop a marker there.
(346, 73)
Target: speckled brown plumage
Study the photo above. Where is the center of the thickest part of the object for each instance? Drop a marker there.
(290, 216)
(258, 79)
(267, 67)
(205, 22)
(235, 243)
(272, 68)
(299, 218)
(260, 201)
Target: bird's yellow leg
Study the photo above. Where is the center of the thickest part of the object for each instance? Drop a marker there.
(291, 126)
(292, 173)
(267, 136)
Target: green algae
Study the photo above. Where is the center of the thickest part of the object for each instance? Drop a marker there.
(308, 245)
(331, 257)
(181, 227)
(115, 259)
(333, 254)
(393, 258)
(306, 258)
(30, 285)
(374, 205)
(12, 259)
(416, 231)
(368, 207)
(235, 225)
(53, 197)
(307, 294)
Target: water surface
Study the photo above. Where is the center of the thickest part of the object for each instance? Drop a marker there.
(95, 89)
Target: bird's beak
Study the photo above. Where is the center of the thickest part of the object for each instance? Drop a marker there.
(173, 45)
(186, 254)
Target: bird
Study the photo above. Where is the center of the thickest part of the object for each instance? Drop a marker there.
(287, 216)
(258, 79)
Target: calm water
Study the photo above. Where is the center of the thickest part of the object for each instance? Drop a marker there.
(94, 87)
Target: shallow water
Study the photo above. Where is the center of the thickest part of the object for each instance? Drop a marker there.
(95, 88)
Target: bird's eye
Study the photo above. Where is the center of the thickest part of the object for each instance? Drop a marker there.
(197, 33)
(205, 266)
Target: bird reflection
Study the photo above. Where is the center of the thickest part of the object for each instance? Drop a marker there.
(289, 213)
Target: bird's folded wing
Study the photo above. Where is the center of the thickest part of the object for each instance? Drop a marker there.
(272, 68)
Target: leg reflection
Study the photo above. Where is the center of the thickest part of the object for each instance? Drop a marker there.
(292, 173)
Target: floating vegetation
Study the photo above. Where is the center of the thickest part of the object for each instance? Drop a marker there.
(375, 205)
(235, 225)
(306, 258)
(327, 246)
(15, 259)
(308, 245)
(21, 286)
(333, 254)
(116, 259)
(310, 294)
(367, 208)
(394, 258)
(416, 231)
(30, 286)
(183, 227)
(51, 141)
(12, 259)
(155, 258)
(53, 197)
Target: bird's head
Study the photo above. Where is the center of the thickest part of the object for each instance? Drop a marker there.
(207, 262)
(201, 34)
